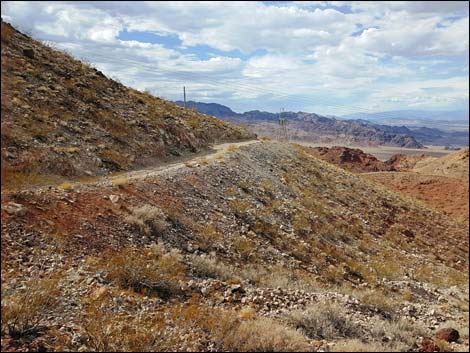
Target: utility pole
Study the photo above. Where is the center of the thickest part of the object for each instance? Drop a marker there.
(184, 95)
(282, 127)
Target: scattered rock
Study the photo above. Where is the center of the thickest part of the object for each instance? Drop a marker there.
(16, 209)
(428, 345)
(98, 292)
(114, 198)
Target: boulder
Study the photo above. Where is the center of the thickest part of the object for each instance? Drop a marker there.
(29, 53)
(448, 334)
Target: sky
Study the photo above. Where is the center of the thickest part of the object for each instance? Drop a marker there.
(327, 57)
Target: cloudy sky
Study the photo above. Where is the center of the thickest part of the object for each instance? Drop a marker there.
(328, 57)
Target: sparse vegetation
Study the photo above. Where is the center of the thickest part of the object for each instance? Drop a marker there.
(323, 322)
(152, 271)
(263, 335)
(209, 267)
(356, 345)
(149, 219)
(25, 311)
(107, 331)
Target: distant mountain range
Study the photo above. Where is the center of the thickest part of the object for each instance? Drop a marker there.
(451, 121)
(430, 115)
(320, 129)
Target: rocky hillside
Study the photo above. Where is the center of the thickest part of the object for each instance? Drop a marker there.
(311, 127)
(265, 248)
(62, 117)
(455, 165)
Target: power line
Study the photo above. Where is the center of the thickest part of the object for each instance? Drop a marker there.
(200, 79)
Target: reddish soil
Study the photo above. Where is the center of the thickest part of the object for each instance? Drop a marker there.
(352, 159)
(448, 195)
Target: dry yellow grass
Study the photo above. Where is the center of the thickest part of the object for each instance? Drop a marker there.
(24, 311)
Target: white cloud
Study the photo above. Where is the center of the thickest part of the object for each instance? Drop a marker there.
(310, 60)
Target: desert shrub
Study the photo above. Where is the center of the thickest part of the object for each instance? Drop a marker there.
(24, 312)
(237, 332)
(247, 313)
(207, 236)
(407, 295)
(204, 266)
(323, 322)
(14, 179)
(387, 266)
(244, 246)
(377, 300)
(279, 277)
(240, 208)
(301, 225)
(107, 331)
(441, 276)
(149, 219)
(263, 335)
(355, 345)
(179, 219)
(153, 271)
(398, 331)
(232, 148)
(265, 228)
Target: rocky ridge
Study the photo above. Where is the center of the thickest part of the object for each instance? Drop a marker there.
(64, 118)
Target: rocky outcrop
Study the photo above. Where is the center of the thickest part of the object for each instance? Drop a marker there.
(352, 159)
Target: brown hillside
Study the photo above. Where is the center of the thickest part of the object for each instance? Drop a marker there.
(452, 165)
(448, 195)
(61, 117)
(403, 162)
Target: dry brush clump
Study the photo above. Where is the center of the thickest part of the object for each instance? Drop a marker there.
(149, 219)
(264, 335)
(105, 330)
(208, 236)
(151, 271)
(210, 267)
(278, 276)
(356, 345)
(323, 322)
(25, 311)
(401, 334)
(239, 332)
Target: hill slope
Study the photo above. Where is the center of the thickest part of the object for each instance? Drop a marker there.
(453, 165)
(448, 194)
(250, 243)
(61, 117)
